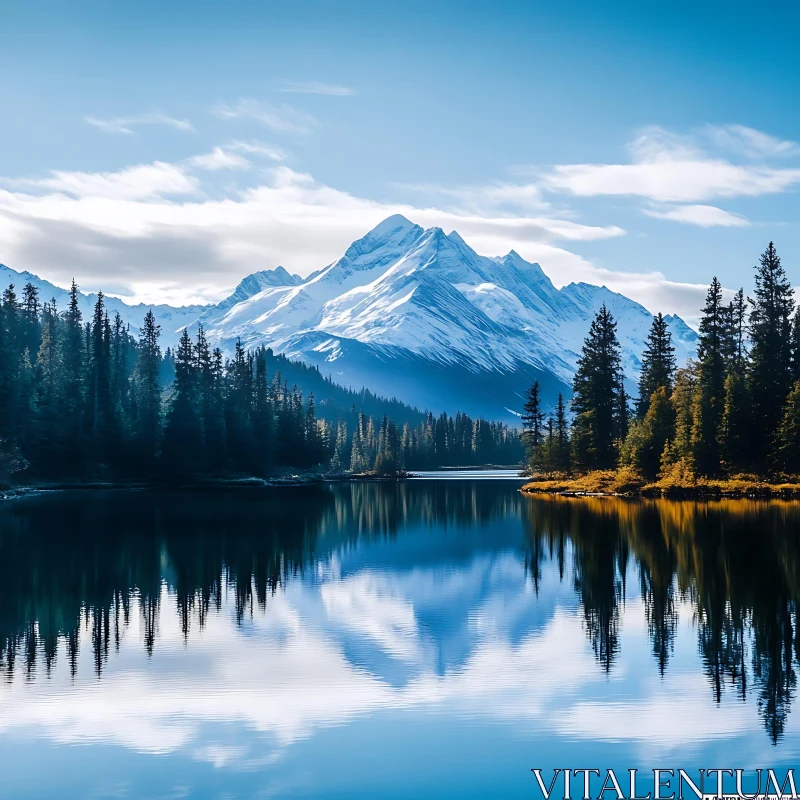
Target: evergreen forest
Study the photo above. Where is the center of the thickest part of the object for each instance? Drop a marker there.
(732, 411)
(86, 400)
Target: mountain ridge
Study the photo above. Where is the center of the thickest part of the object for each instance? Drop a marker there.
(406, 309)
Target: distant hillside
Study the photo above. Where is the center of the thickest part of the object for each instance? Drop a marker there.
(334, 401)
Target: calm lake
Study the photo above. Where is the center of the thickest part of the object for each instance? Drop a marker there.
(433, 638)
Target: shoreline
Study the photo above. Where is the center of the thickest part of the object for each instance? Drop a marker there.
(624, 484)
(306, 479)
(224, 482)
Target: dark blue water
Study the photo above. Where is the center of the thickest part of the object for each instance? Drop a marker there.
(426, 639)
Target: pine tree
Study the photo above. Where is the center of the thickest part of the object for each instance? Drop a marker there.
(370, 443)
(795, 346)
(31, 309)
(238, 414)
(339, 460)
(734, 432)
(122, 350)
(407, 447)
(787, 439)
(658, 364)
(647, 438)
(148, 392)
(357, 456)
(314, 449)
(596, 396)
(709, 400)
(10, 364)
(386, 458)
(74, 358)
(532, 423)
(182, 447)
(262, 416)
(210, 374)
(770, 373)
(46, 453)
(562, 459)
(99, 406)
(681, 450)
(736, 331)
(622, 413)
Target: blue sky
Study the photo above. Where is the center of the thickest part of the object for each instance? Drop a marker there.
(163, 151)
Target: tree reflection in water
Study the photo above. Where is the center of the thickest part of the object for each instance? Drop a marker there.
(88, 561)
(735, 561)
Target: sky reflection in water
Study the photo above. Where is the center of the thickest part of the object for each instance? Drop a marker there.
(360, 640)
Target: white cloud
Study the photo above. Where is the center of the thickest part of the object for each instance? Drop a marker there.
(140, 182)
(481, 199)
(257, 148)
(704, 216)
(199, 248)
(283, 118)
(750, 142)
(666, 168)
(127, 124)
(314, 87)
(218, 159)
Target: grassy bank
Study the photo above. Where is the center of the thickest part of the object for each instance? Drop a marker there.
(629, 483)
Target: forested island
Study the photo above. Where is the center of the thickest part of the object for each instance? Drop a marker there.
(727, 423)
(86, 401)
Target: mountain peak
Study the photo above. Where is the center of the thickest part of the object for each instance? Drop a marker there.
(395, 224)
(380, 246)
(258, 281)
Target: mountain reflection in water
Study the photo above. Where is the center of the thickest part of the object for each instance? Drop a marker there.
(327, 603)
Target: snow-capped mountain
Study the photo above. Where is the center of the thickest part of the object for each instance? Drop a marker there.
(419, 315)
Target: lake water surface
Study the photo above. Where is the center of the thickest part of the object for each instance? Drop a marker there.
(362, 640)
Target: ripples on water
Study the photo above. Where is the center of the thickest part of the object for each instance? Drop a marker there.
(420, 639)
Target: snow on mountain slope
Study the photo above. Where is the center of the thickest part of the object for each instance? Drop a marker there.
(403, 295)
(417, 314)
(257, 282)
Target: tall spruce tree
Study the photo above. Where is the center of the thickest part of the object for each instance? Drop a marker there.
(339, 461)
(11, 323)
(770, 374)
(238, 406)
(74, 359)
(658, 364)
(386, 458)
(183, 443)
(596, 400)
(99, 406)
(736, 331)
(709, 400)
(48, 454)
(210, 374)
(262, 416)
(31, 309)
(796, 345)
(561, 460)
(787, 439)
(532, 423)
(734, 432)
(148, 393)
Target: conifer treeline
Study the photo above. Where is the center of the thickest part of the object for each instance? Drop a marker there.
(733, 410)
(86, 399)
(442, 441)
